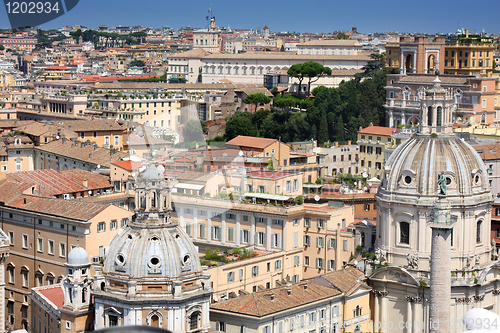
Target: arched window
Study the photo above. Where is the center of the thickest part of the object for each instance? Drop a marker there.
(439, 115)
(155, 320)
(404, 233)
(84, 295)
(193, 320)
(478, 231)
(429, 116)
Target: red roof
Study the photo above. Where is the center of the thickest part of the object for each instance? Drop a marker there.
(266, 28)
(55, 295)
(127, 165)
(250, 141)
(378, 130)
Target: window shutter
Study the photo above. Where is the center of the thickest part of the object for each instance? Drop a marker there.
(296, 239)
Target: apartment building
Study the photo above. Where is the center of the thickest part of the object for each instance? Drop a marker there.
(104, 133)
(333, 302)
(41, 231)
(373, 141)
(338, 159)
(463, 54)
(474, 98)
(16, 154)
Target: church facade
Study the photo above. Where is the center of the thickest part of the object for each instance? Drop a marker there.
(409, 190)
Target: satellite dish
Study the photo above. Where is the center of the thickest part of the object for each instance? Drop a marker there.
(90, 192)
(365, 188)
(355, 262)
(365, 175)
(216, 299)
(241, 153)
(316, 197)
(142, 168)
(134, 174)
(57, 137)
(160, 168)
(98, 166)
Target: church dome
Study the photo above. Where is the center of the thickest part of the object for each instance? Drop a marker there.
(78, 257)
(414, 167)
(152, 252)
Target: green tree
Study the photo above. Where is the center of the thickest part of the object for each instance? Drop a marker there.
(311, 70)
(239, 124)
(296, 72)
(374, 66)
(2, 47)
(282, 48)
(136, 63)
(257, 99)
(192, 131)
(342, 36)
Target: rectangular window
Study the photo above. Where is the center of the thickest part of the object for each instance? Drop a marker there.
(245, 218)
(39, 244)
(260, 238)
(484, 103)
(216, 232)
(307, 240)
(296, 260)
(230, 234)
(50, 249)
(320, 242)
(25, 279)
(202, 213)
(230, 277)
(331, 265)
(123, 224)
(189, 227)
(277, 265)
(319, 262)
(306, 261)
(245, 236)
(321, 223)
(113, 225)
(203, 231)
(11, 237)
(278, 222)
(295, 239)
(11, 275)
(25, 241)
(262, 220)
(220, 326)
(344, 245)
(116, 140)
(62, 250)
(101, 226)
(230, 217)
(307, 222)
(255, 271)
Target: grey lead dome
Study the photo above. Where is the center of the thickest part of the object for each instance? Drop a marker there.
(78, 257)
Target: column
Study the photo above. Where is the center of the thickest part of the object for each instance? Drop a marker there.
(414, 61)
(376, 317)
(237, 231)
(383, 314)
(170, 319)
(425, 63)
(391, 119)
(403, 118)
(409, 315)
(223, 230)
(252, 230)
(195, 223)
(268, 234)
(99, 316)
(138, 317)
(402, 64)
(209, 226)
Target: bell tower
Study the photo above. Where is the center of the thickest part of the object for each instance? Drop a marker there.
(436, 110)
(77, 283)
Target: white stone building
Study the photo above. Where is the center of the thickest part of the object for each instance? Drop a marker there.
(405, 202)
(152, 273)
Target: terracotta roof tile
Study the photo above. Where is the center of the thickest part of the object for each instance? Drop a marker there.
(378, 130)
(54, 294)
(73, 209)
(260, 304)
(127, 165)
(87, 153)
(250, 142)
(345, 280)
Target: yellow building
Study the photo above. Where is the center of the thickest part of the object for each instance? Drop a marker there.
(373, 141)
(469, 54)
(277, 230)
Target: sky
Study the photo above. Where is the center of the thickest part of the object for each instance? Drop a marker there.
(429, 16)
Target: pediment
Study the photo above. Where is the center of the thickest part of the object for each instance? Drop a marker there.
(394, 274)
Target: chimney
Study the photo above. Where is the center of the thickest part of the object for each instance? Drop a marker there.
(287, 290)
(336, 143)
(348, 143)
(269, 296)
(303, 285)
(466, 33)
(85, 183)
